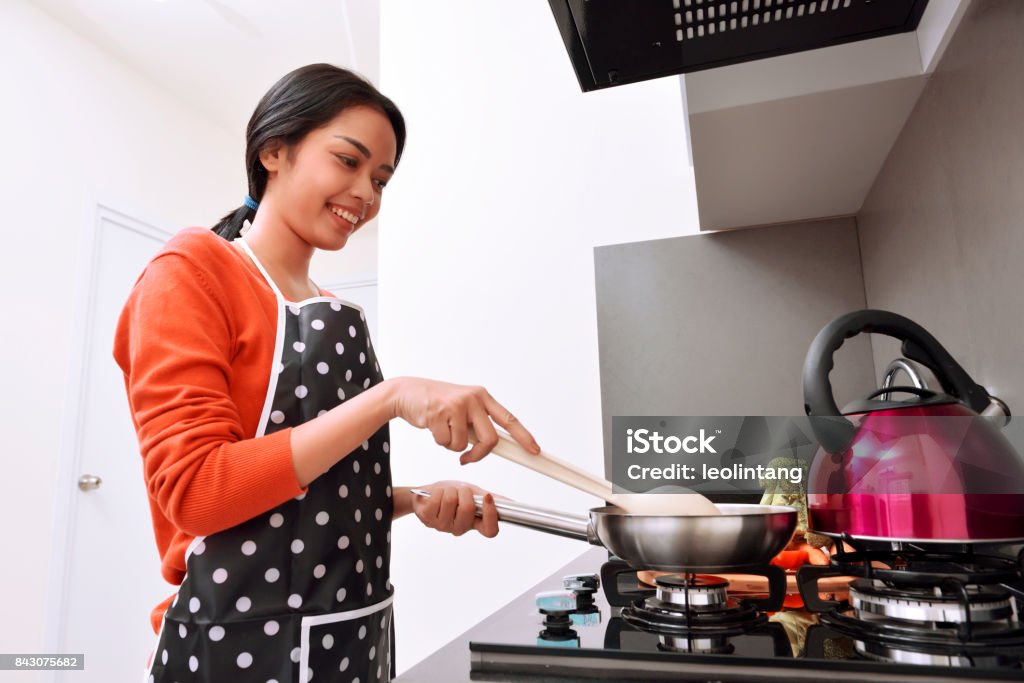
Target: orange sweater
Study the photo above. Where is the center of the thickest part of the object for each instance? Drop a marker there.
(196, 342)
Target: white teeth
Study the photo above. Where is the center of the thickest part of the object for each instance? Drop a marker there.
(351, 218)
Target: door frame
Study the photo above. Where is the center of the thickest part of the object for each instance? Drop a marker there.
(97, 216)
(338, 284)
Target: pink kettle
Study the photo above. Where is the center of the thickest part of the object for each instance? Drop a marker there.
(933, 468)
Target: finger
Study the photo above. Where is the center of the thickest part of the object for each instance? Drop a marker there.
(459, 430)
(486, 437)
(446, 513)
(441, 431)
(426, 507)
(510, 423)
(466, 513)
(487, 523)
(477, 491)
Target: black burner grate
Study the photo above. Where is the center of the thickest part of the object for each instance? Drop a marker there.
(654, 615)
(973, 593)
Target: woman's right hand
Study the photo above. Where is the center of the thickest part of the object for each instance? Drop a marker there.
(450, 411)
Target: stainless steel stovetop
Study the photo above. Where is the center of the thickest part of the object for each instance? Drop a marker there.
(607, 642)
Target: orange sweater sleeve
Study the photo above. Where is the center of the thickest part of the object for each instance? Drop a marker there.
(175, 342)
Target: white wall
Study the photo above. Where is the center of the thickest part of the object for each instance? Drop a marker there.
(357, 261)
(513, 177)
(78, 128)
(510, 178)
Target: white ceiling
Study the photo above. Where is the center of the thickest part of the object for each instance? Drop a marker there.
(220, 56)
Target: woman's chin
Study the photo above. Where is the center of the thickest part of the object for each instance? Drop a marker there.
(334, 239)
(337, 242)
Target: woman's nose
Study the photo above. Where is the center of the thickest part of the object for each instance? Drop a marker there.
(363, 191)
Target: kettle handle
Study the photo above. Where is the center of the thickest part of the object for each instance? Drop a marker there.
(835, 435)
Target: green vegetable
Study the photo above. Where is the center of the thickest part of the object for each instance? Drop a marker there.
(782, 491)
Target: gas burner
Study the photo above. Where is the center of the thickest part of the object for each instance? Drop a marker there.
(937, 607)
(700, 592)
(690, 604)
(923, 606)
(931, 585)
(688, 590)
(655, 615)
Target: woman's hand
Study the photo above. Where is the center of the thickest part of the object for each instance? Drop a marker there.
(450, 508)
(450, 411)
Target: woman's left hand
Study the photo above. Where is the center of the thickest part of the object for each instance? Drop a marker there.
(450, 508)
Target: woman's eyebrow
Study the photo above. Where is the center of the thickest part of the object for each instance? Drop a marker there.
(358, 145)
(365, 151)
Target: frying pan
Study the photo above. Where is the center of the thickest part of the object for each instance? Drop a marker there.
(741, 536)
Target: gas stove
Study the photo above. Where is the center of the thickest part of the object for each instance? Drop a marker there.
(923, 605)
(694, 613)
(603, 623)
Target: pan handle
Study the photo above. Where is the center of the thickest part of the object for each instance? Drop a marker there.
(549, 521)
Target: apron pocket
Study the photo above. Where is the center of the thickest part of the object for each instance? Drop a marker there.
(251, 650)
(353, 645)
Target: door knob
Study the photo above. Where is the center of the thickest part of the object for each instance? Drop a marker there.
(88, 482)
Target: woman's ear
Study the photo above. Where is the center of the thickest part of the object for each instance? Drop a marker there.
(272, 155)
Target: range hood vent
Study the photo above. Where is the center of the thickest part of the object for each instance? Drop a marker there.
(615, 42)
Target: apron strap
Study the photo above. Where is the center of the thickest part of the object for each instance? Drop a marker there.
(263, 271)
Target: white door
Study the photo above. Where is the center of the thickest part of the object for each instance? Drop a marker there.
(107, 570)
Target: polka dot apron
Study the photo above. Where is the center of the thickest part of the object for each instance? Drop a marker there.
(301, 592)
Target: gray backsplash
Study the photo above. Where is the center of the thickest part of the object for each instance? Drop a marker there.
(942, 229)
(719, 323)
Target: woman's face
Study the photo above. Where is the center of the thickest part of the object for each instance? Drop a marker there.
(330, 184)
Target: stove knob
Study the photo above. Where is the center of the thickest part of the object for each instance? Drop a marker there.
(581, 582)
(555, 601)
(586, 617)
(569, 639)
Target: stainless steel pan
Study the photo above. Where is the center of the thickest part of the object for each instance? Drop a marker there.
(742, 536)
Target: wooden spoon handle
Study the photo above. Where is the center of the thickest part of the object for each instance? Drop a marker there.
(552, 467)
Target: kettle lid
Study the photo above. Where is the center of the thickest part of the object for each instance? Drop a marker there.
(922, 398)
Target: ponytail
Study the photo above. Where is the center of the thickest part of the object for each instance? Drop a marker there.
(230, 226)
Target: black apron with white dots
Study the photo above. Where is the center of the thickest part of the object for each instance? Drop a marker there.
(301, 592)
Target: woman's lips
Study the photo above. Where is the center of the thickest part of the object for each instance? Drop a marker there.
(342, 223)
(344, 213)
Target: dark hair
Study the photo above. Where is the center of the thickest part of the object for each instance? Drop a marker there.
(302, 101)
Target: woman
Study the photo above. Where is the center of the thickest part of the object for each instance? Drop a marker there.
(262, 414)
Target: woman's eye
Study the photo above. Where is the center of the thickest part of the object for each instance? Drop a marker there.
(381, 184)
(348, 161)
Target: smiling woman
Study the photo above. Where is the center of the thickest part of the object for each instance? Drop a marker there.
(336, 113)
(262, 413)
(328, 185)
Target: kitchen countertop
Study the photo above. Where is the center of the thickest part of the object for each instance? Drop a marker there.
(451, 662)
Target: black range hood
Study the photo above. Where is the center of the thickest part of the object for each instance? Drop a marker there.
(615, 42)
